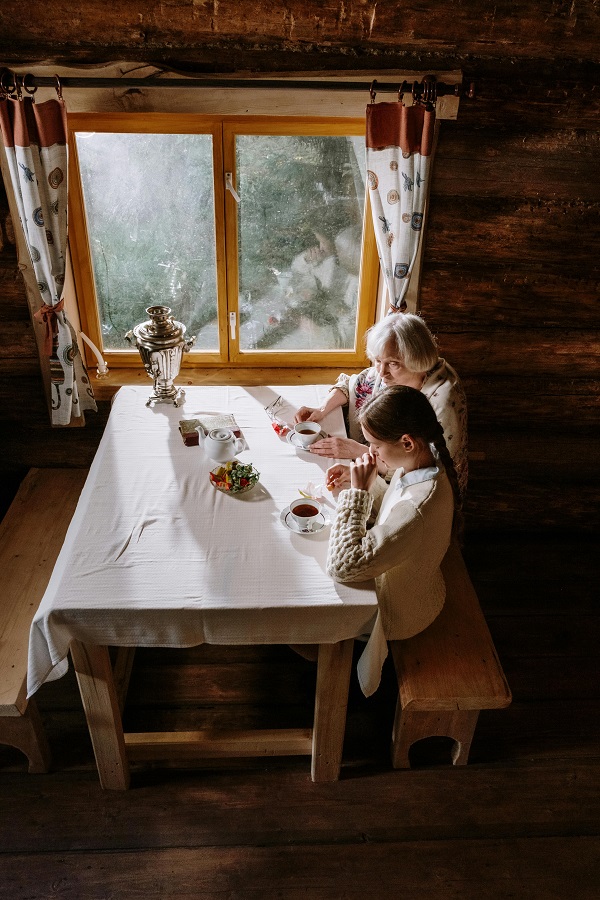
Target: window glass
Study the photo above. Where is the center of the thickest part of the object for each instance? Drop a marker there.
(150, 216)
(299, 240)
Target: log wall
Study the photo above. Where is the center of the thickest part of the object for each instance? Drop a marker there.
(510, 286)
(511, 264)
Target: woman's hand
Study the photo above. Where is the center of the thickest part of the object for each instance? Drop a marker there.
(309, 414)
(363, 471)
(335, 398)
(337, 448)
(337, 476)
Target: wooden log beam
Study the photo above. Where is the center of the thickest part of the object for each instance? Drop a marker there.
(530, 97)
(536, 32)
(533, 454)
(522, 234)
(525, 403)
(17, 337)
(480, 296)
(518, 353)
(517, 504)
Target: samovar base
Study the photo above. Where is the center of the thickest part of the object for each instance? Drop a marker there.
(175, 396)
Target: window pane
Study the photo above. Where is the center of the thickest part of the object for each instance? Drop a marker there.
(300, 235)
(150, 212)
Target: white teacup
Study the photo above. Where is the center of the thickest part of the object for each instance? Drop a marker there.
(307, 432)
(305, 512)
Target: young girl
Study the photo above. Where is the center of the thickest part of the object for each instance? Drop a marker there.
(405, 546)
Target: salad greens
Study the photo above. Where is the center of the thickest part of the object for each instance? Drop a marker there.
(234, 476)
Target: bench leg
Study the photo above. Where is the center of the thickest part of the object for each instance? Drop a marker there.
(414, 725)
(26, 733)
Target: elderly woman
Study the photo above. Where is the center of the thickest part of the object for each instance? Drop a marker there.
(403, 351)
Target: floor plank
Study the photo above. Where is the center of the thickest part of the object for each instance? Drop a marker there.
(513, 868)
(277, 805)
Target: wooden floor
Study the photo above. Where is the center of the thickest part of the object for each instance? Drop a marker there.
(521, 821)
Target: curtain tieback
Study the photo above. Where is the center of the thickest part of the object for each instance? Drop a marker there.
(48, 315)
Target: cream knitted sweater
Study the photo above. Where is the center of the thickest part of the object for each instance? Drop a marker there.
(402, 551)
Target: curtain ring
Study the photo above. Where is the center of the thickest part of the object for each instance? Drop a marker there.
(402, 90)
(19, 86)
(8, 90)
(58, 88)
(29, 90)
(429, 87)
(372, 91)
(415, 93)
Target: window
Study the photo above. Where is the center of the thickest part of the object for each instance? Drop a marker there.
(254, 231)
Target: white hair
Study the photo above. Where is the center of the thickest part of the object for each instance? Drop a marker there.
(414, 343)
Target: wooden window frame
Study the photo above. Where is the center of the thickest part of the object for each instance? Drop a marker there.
(223, 130)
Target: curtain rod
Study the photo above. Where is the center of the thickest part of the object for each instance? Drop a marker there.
(429, 88)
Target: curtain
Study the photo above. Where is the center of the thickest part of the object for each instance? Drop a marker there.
(399, 142)
(35, 139)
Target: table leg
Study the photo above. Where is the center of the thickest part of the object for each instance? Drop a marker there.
(122, 673)
(331, 702)
(101, 705)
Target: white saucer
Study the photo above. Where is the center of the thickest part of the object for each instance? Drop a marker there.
(293, 439)
(288, 520)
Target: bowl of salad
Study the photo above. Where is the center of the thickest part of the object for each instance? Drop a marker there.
(234, 477)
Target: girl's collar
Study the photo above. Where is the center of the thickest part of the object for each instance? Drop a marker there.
(416, 476)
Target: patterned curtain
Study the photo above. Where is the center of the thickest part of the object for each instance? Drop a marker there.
(399, 143)
(35, 139)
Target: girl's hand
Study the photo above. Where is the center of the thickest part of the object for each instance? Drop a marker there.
(308, 414)
(382, 468)
(363, 471)
(337, 476)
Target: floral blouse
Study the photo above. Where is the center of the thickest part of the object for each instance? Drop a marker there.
(444, 391)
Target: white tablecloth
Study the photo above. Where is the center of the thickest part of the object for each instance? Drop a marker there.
(156, 556)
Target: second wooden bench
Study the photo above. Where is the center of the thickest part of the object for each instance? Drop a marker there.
(31, 535)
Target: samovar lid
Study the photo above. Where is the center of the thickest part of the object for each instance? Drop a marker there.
(160, 331)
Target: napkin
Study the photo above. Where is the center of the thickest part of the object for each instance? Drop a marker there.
(314, 491)
(191, 438)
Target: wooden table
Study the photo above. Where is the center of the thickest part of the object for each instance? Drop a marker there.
(155, 556)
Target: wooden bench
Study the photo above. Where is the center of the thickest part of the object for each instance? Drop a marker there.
(31, 535)
(447, 673)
